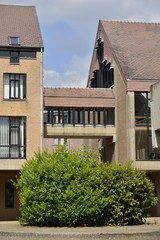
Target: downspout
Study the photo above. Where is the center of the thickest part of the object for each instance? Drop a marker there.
(41, 101)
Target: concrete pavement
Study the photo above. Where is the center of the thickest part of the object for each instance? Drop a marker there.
(15, 231)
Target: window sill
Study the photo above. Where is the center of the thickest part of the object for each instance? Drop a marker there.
(15, 100)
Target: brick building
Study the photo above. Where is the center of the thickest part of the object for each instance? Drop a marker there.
(21, 50)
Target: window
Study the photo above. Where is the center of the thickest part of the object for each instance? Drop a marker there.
(78, 116)
(14, 86)
(9, 195)
(12, 137)
(4, 53)
(59, 141)
(14, 57)
(14, 40)
(27, 54)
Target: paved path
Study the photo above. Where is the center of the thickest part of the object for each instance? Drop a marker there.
(14, 231)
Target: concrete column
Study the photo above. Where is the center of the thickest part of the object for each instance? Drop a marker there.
(130, 126)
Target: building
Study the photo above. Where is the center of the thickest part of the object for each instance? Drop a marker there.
(78, 117)
(126, 61)
(21, 51)
(114, 111)
(155, 112)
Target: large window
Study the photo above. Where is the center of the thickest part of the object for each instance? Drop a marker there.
(12, 137)
(144, 149)
(76, 116)
(14, 86)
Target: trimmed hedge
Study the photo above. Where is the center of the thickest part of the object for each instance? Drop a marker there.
(72, 188)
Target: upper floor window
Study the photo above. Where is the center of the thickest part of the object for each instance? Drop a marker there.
(14, 86)
(14, 41)
(142, 109)
(14, 57)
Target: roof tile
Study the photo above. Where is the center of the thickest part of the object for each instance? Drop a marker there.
(78, 97)
(135, 46)
(22, 22)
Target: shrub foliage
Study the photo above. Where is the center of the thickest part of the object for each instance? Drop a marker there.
(72, 188)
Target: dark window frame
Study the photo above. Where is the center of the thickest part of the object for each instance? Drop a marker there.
(15, 145)
(14, 57)
(15, 81)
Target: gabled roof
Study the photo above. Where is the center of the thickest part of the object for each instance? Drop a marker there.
(22, 22)
(134, 46)
(78, 97)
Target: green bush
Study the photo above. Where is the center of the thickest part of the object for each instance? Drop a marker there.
(72, 188)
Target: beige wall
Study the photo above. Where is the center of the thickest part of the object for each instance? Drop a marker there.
(120, 117)
(31, 106)
(155, 113)
(130, 124)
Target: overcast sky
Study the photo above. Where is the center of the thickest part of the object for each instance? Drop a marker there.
(69, 28)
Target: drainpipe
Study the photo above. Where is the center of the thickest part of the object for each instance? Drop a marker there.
(41, 99)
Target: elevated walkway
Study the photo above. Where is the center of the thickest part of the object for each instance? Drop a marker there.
(79, 131)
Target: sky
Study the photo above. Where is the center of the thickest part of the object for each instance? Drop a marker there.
(69, 29)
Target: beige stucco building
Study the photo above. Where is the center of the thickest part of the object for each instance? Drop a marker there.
(21, 51)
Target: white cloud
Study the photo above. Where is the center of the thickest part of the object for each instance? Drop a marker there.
(75, 76)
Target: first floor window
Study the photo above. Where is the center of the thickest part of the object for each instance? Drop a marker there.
(14, 86)
(12, 137)
(9, 195)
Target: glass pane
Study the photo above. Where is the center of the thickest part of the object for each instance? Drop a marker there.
(142, 109)
(14, 152)
(14, 136)
(143, 145)
(4, 54)
(14, 121)
(28, 54)
(16, 89)
(78, 116)
(12, 89)
(4, 152)
(4, 131)
(14, 40)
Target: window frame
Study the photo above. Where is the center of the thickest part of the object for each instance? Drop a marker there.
(13, 138)
(10, 86)
(14, 57)
(14, 40)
